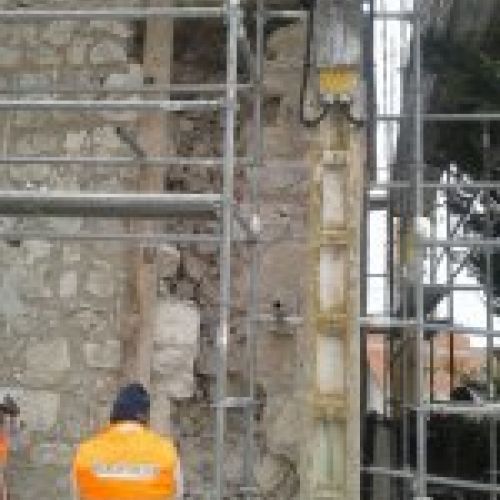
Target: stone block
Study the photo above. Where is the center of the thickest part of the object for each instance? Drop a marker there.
(195, 267)
(27, 80)
(186, 125)
(76, 141)
(36, 249)
(177, 324)
(134, 77)
(268, 473)
(46, 143)
(92, 320)
(65, 225)
(47, 362)
(120, 29)
(103, 354)
(185, 290)
(68, 284)
(47, 56)
(180, 386)
(76, 53)
(10, 301)
(283, 425)
(71, 254)
(160, 413)
(116, 28)
(10, 57)
(36, 173)
(105, 140)
(39, 409)
(173, 361)
(108, 52)
(100, 284)
(58, 454)
(25, 35)
(38, 284)
(58, 33)
(168, 260)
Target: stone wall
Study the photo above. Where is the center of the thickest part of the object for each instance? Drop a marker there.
(67, 309)
(61, 324)
(68, 313)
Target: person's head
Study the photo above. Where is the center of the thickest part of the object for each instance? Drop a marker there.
(131, 405)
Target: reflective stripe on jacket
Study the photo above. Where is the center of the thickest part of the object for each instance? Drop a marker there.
(126, 462)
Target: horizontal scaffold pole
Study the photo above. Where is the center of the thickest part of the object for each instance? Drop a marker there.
(122, 161)
(187, 88)
(117, 13)
(444, 117)
(146, 205)
(107, 105)
(134, 238)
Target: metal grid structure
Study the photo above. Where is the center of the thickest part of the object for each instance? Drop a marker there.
(405, 313)
(222, 206)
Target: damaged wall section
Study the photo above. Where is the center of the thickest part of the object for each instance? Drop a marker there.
(68, 313)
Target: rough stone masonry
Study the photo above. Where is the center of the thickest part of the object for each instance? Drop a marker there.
(67, 309)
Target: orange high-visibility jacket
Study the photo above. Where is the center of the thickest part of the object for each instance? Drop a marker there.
(126, 462)
(4, 448)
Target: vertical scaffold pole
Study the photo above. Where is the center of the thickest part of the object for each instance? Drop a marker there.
(249, 457)
(421, 471)
(225, 248)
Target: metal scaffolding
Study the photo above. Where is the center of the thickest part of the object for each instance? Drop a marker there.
(407, 319)
(220, 206)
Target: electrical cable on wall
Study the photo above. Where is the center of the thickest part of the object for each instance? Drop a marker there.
(339, 107)
(306, 71)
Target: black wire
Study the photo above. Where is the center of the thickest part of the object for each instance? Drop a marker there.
(306, 73)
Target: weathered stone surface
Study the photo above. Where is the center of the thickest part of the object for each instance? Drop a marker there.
(195, 267)
(71, 254)
(37, 250)
(58, 32)
(10, 302)
(75, 141)
(103, 355)
(68, 284)
(98, 304)
(39, 409)
(38, 143)
(268, 474)
(108, 52)
(46, 56)
(114, 27)
(47, 361)
(170, 361)
(106, 140)
(59, 454)
(284, 425)
(176, 345)
(168, 260)
(100, 284)
(160, 413)
(9, 56)
(178, 385)
(177, 324)
(76, 53)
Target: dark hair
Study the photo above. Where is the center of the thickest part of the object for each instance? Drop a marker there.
(131, 404)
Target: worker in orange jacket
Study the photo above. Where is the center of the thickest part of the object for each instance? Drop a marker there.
(128, 461)
(8, 412)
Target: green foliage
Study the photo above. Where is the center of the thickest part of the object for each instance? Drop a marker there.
(466, 79)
